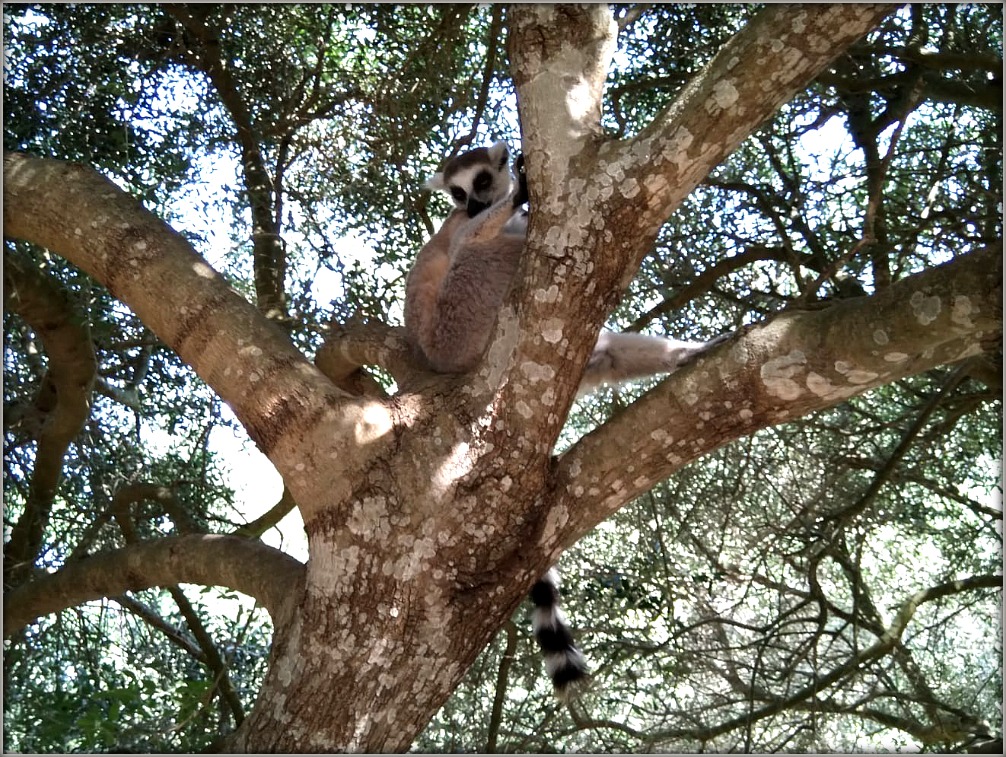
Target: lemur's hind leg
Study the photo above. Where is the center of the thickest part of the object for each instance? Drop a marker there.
(623, 356)
(469, 300)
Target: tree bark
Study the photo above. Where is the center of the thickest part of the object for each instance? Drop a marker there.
(597, 203)
(276, 393)
(431, 513)
(795, 364)
(250, 567)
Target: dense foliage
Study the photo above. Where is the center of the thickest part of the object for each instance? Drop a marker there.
(737, 607)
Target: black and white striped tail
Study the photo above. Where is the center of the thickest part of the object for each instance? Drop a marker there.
(563, 661)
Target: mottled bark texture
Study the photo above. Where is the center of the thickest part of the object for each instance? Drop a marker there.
(431, 513)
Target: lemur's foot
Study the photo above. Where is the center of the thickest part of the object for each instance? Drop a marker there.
(520, 196)
(698, 349)
(716, 341)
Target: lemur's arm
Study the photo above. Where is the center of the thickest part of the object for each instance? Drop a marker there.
(422, 286)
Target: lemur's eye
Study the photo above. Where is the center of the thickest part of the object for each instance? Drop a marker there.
(460, 196)
(483, 181)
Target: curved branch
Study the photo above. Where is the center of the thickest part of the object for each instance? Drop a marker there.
(139, 491)
(158, 623)
(597, 204)
(290, 409)
(268, 519)
(211, 655)
(269, 253)
(347, 349)
(129, 398)
(77, 213)
(64, 399)
(250, 567)
(705, 280)
(778, 371)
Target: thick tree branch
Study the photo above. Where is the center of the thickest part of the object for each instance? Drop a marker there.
(276, 393)
(570, 63)
(597, 205)
(797, 363)
(64, 400)
(270, 576)
(782, 49)
(348, 348)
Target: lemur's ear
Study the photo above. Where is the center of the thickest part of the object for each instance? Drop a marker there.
(499, 153)
(435, 183)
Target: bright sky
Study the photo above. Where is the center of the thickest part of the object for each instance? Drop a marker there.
(257, 487)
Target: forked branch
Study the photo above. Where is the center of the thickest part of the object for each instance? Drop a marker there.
(250, 567)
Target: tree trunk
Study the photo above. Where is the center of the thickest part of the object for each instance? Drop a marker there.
(407, 584)
(430, 514)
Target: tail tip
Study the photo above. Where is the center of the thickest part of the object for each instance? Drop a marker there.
(570, 681)
(564, 663)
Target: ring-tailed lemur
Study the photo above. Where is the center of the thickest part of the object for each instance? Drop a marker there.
(452, 297)
(457, 284)
(459, 280)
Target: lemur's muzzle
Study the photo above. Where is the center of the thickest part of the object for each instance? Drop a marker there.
(475, 207)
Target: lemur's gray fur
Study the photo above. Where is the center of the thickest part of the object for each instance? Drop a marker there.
(460, 277)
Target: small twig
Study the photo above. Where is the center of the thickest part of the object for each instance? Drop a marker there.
(495, 33)
(502, 676)
(632, 15)
(270, 518)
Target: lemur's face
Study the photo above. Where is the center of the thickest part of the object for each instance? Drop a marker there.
(476, 179)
